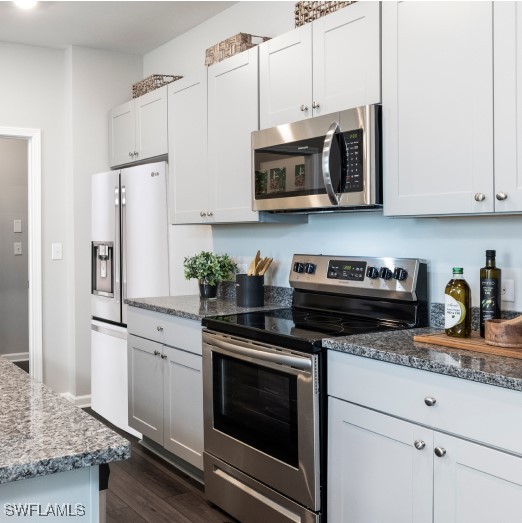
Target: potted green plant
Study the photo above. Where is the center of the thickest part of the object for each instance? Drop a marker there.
(209, 269)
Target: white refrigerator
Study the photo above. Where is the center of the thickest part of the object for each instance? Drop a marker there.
(129, 259)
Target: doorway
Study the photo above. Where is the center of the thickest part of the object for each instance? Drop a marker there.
(30, 141)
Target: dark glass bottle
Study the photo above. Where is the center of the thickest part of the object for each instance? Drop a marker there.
(457, 309)
(490, 291)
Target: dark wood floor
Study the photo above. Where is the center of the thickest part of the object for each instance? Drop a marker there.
(147, 489)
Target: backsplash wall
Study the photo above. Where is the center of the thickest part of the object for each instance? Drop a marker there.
(443, 242)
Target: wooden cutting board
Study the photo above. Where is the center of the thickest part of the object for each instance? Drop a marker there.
(475, 343)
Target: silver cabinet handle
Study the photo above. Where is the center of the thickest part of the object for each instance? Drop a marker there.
(210, 213)
(157, 353)
(131, 154)
(501, 196)
(430, 401)
(136, 153)
(419, 444)
(439, 452)
(202, 214)
(326, 163)
(159, 328)
(480, 197)
(163, 356)
(304, 107)
(315, 105)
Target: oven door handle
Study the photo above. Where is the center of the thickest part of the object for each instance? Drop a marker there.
(296, 362)
(327, 147)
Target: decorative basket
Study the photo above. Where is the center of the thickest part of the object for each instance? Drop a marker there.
(231, 46)
(152, 82)
(307, 11)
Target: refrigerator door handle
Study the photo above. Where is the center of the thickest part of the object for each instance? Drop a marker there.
(124, 238)
(117, 243)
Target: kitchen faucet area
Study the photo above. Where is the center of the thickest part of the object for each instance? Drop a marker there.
(261, 261)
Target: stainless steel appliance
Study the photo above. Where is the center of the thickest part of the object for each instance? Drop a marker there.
(264, 381)
(328, 163)
(129, 259)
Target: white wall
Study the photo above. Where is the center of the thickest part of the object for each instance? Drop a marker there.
(443, 242)
(14, 312)
(185, 54)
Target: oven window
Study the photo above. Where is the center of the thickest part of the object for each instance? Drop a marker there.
(257, 406)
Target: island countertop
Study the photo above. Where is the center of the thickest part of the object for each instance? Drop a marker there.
(42, 433)
(398, 347)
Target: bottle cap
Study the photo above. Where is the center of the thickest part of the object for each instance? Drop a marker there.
(458, 270)
(491, 254)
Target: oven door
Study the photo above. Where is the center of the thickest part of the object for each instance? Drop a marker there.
(261, 413)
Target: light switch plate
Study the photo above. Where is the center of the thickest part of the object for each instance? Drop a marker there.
(17, 226)
(56, 251)
(18, 248)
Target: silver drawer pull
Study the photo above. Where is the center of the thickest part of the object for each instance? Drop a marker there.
(501, 196)
(304, 107)
(157, 353)
(440, 452)
(430, 401)
(419, 444)
(480, 197)
(163, 356)
(159, 328)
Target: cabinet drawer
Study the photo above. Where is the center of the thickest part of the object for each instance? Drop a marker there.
(164, 328)
(476, 411)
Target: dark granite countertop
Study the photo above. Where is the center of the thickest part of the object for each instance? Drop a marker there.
(398, 347)
(42, 433)
(193, 307)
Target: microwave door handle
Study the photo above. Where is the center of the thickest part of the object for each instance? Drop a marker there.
(330, 191)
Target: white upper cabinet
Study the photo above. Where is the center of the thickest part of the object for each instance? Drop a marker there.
(437, 107)
(328, 65)
(138, 128)
(232, 116)
(508, 106)
(189, 180)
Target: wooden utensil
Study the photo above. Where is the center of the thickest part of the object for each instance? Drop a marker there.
(251, 268)
(265, 266)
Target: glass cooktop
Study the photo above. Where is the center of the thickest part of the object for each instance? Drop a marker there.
(294, 328)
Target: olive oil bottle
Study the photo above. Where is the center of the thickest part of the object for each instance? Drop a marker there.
(490, 291)
(457, 310)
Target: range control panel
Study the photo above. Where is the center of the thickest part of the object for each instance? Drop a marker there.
(394, 278)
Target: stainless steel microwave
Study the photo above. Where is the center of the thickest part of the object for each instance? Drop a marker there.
(328, 163)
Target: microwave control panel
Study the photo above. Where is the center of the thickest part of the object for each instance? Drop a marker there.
(354, 161)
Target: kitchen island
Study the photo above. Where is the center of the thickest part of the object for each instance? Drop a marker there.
(50, 452)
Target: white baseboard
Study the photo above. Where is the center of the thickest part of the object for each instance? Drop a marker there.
(16, 356)
(79, 401)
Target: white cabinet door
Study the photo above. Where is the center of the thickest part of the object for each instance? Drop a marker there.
(184, 406)
(285, 78)
(437, 98)
(146, 387)
(475, 484)
(187, 110)
(508, 105)
(232, 116)
(151, 124)
(375, 472)
(347, 58)
(122, 134)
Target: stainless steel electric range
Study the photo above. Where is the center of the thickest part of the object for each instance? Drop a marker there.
(264, 381)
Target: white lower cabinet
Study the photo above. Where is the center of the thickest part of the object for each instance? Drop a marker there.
(165, 383)
(382, 468)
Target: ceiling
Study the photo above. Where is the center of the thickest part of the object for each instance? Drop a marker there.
(130, 27)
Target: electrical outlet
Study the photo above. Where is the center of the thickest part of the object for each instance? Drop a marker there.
(508, 290)
(56, 251)
(17, 248)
